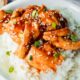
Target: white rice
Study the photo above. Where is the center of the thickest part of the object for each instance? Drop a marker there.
(69, 70)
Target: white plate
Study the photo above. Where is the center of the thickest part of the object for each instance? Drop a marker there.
(49, 3)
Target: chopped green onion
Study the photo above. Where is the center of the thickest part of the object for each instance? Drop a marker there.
(37, 43)
(54, 25)
(74, 37)
(56, 55)
(9, 11)
(15, 22)
(8, 53)
(11, 69)
(35, 14)
(45, 9)
(30, 58)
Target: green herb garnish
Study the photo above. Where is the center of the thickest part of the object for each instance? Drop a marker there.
(37, 43)
(11, 69)
(30, 58)
(54, 25)
(45, 9)
(9, 11)
(8, 53)
(56, 55)
(35, 14)
(73, 37)
(14, 22)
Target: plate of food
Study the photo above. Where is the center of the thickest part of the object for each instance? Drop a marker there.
(40, 40)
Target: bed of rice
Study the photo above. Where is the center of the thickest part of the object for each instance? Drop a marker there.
(69, 70)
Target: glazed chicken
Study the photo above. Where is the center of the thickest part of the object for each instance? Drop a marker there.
(41, 34)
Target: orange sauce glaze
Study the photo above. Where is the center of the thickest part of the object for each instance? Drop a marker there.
(14, 30)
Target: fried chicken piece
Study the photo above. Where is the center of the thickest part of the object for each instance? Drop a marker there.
(23, 48)
(55, 37)
(52, 35)
(14, 28)
(41, 60)
(35, 30)
(17, 13)
(28, 12)
(47, 19)
(66, 44)
(2, 14)
(30, 31)
(48, 49)
(1, 30)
